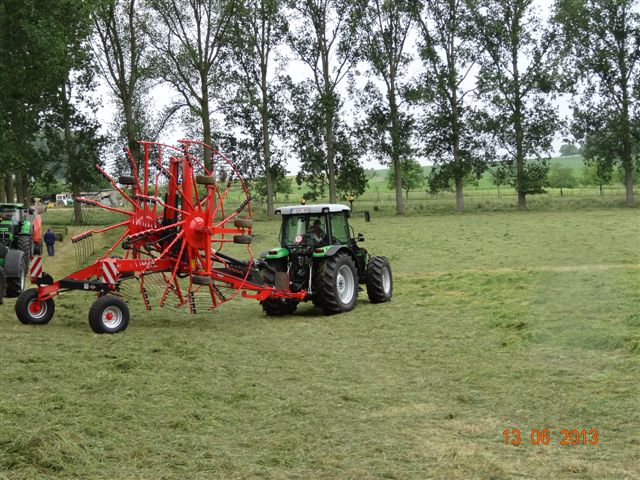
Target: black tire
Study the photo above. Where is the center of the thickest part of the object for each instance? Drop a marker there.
(25, 243)
(200, 280)
(242, 222)
(336, 284)
(100, 320)
(379, 280)
(242, 239)
(28, 311)
(127, 180)
(3, 284)
(277, 307)
(15, 285)
(205, 180)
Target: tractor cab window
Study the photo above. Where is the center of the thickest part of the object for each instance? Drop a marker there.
(305, 230)
(12, 214)
(339, 228)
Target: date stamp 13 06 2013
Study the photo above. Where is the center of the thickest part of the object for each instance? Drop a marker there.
(545, 436)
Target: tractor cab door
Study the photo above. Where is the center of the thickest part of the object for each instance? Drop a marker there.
(340, 234)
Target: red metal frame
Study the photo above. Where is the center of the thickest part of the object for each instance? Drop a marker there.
(174, 236)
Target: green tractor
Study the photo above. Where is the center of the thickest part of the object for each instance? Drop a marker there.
(20, 240)
(319, 254)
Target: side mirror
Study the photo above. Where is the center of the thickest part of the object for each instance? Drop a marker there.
(360, 238)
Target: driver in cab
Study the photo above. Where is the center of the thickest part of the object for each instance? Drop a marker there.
(315, 233)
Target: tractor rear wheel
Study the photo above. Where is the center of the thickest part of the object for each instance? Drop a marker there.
(15, 285)
(109, 314)
(336, 284)
(25, 243)
(32, 312)
(277, 307)
(3, 284)
(379, 280)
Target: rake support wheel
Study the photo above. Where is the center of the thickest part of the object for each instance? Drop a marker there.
(109, 314)
(277, 307)
(30, 311)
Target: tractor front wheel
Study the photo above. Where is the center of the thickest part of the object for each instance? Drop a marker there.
(109, 314)
(31, 311)
(379, 280)
(336, 285)
(277, 307)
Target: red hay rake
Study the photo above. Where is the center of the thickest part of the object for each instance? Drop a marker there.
(181, 216)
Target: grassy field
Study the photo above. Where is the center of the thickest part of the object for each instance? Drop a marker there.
(499, 320)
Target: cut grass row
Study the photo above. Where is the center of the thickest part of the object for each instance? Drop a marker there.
(498, 321)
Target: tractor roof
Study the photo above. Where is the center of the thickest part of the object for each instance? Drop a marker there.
(321, 208)
(11, 205)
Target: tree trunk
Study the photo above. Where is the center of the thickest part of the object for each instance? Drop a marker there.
(19, 184)
(77, 207)
(628, 182)
(26, 200)
(3, 193)
(206, 121)
(518, 127)
(459, 196)
(266, 142)
(395, 147)
(330, 107)
(70, 149)
(455, 124)
(131, 134)
(8, 187)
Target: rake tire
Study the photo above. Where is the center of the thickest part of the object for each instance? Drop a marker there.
(201, 280)
(28, 313)
(205, 180)
(242, 239)
(109, 314)
(127, 180)
(278, 307)
(242, 222)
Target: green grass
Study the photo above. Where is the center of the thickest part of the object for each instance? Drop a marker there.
(499, 320)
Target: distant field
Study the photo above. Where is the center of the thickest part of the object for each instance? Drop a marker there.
(484, 196)
(499, 321)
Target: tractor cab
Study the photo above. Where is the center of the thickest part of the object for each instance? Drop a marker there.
(315, 225)
(11, 214)
(319, 254)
